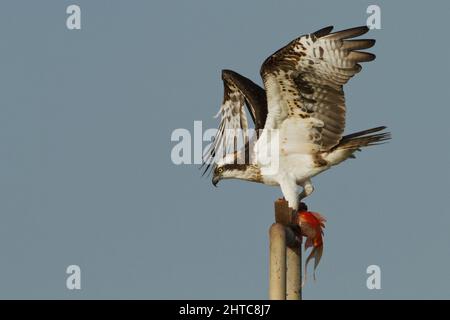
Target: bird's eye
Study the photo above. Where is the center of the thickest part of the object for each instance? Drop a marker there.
(220, 170)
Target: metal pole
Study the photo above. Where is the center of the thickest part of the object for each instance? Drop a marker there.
(285, 256)
(277, 268)
(294, 273)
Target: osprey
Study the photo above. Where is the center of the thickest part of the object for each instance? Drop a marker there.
(299, 118)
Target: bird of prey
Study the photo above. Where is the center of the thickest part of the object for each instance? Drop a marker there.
(299, 117)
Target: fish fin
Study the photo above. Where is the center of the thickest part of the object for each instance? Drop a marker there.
(315, 253)
(319, 217)
(317, 256)
(308, 243)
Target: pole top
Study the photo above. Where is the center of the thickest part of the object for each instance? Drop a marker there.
(283, 214)
(286, 216)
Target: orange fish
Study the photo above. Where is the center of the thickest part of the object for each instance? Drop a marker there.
(311, 226)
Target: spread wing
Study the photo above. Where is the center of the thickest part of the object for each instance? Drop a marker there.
(305, 80)
(238, 92)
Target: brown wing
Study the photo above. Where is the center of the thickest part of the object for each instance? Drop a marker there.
(238, 92)
(305, 79)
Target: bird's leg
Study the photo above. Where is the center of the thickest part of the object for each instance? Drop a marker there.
(308, 188)
(289, 189)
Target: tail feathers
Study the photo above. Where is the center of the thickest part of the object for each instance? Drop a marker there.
(354, 142)
(363, 138)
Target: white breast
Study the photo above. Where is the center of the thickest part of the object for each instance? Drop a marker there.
(286, 151)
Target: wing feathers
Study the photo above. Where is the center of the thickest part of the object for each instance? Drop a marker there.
(305, 79)
(323, 32)
(233, 128)
(358, 44)
(361, 56)
(348, 33)
(254, 95)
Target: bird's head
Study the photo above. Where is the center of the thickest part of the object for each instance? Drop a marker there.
(227, 171)
(217, 175)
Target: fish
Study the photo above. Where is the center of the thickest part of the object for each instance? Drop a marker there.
(311, 227)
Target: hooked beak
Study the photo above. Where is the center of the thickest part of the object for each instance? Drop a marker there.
(215, 181)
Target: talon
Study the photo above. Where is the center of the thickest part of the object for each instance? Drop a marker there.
(302, 206)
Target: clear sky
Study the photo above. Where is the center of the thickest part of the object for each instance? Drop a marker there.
(86, 176)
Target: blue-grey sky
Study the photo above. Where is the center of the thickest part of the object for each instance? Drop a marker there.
(86, 176)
